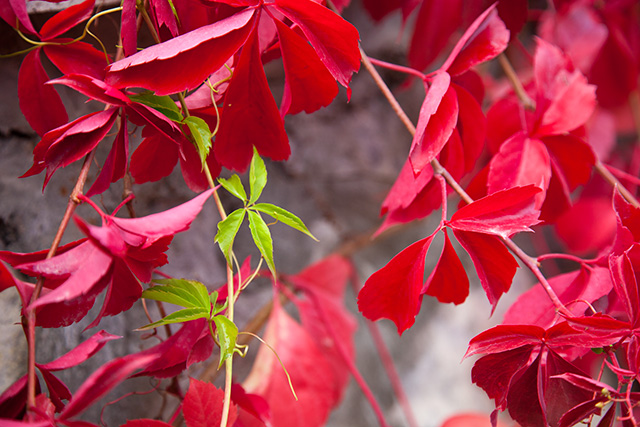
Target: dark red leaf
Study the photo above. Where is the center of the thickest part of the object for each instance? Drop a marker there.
(471, 126)
(438, 118)
(395, 291)
(80, 353)
(66, 19)
(250, 115)
(308, 84)
(39, 102)
(156, 68)
(251, 404)
(503, 213)
(192, 171)
(334, 39)
(503, 338)
(588, 226)
(202, 405)
(128, 29)
(448, 281)
(77, 58)
(493, 262)
(94, 88)
(64, 145)
(155, 158)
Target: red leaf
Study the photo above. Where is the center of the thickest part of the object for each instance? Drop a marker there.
(470, 420)
(94, 88)
(115, 166)
(503, 213)
(448, 281)
(156, 68)
(588, 226)
(521, 161)
(535, 308)
(155, 158)
(308, 84)
(334, 39)
(103, 380)
(77, 58)
(250, 116)
(485, 39)
(128, 29)
(311, 374)
(202, 405)
(250, 405)
(66, 19)
(493, 262)
(438, 118)
(564, 98)
(146, 423)
(503, 338)
(39, 102)
(471, 126)
(436, 22)
(395, 291)
(192, 171)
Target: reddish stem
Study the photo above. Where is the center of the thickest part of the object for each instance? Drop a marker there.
(398, 68)
(74, 201)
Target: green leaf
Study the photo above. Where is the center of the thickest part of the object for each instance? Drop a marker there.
(257, 176)
(182, 292)
(163, 104)
(284, 216)
(227, 230)
(201, 135)
(234, 186)
(180, 316)
(262, 238)
(227, 334)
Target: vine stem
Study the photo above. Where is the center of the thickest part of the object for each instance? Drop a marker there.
(438, 169)
(74, 201)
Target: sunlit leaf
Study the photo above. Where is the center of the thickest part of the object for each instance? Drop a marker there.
(201, 135)
(179, 316)
(234, 186)
(257, 176)
(227, 230)
(284, 216)
(163, 104)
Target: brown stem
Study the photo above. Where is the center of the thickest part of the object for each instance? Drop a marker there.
(610, 178)
(521, 93)
(31, 314)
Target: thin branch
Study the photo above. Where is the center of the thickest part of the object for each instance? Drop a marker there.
(511, 75)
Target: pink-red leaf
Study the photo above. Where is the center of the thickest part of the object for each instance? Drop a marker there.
(310, 372)
(202, 405)
(395, 291)
(157, 67)
(77, 58)
(82, 352)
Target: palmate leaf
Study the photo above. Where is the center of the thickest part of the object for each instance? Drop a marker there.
(227, 230)
(163, 104)
(180, 316)
(262, 238)
(227, 334)
(284, 216)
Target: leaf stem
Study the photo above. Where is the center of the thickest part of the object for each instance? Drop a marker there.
(398, 68)
(518, 88)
